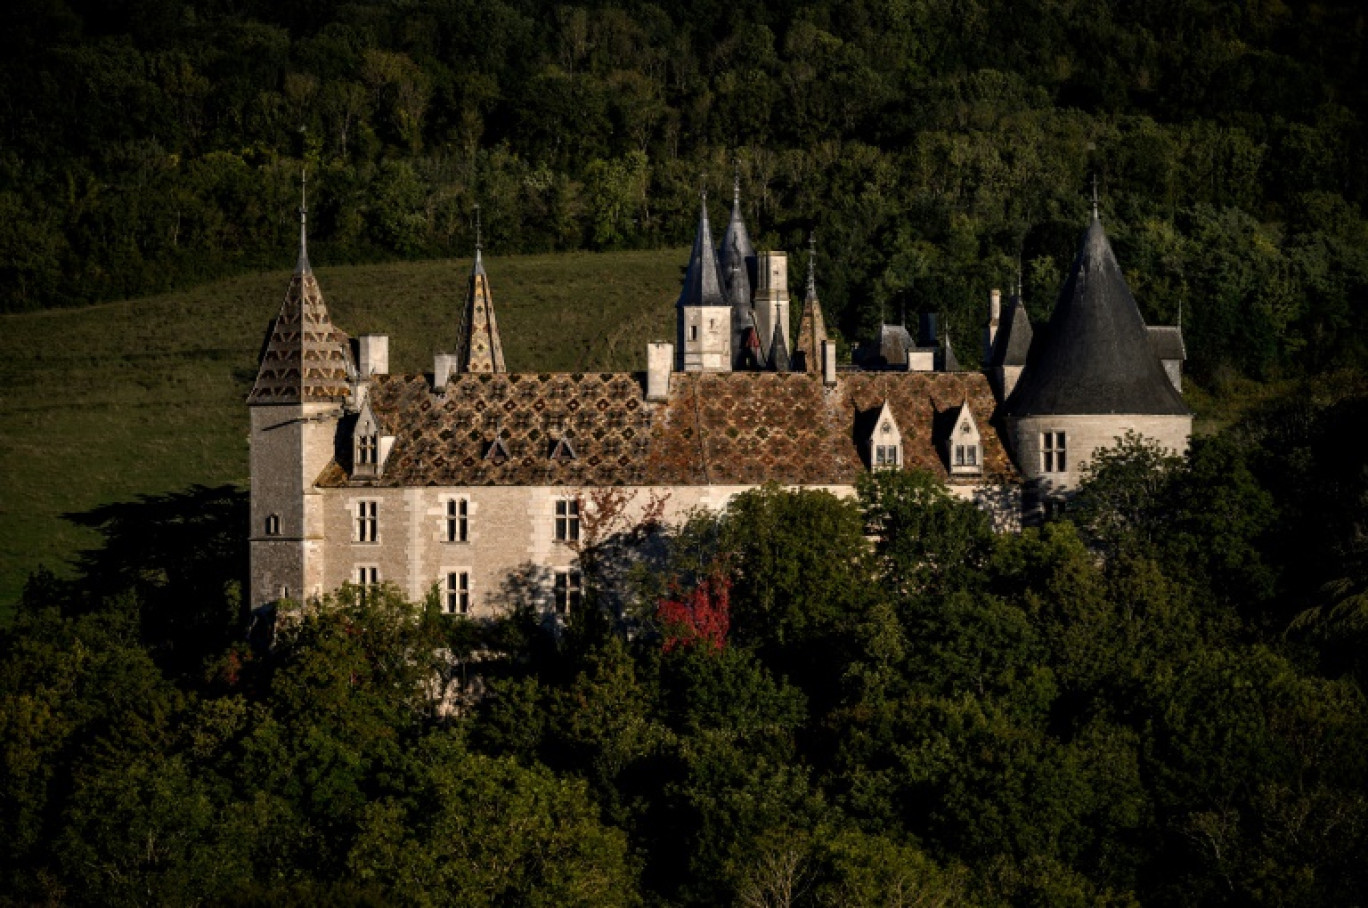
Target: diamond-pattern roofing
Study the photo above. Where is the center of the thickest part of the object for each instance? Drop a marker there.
(738, 428)
(306, 357)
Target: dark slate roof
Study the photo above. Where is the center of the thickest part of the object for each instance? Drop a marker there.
(720, 428)
(702, 283)
(1096, 356)
(888, 351)
(306, 359)
(1012, 345)
(948, 361)
(736, 258)
(1166, 342)
(779, 358)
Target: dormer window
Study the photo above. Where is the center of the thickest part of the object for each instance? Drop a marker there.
(885, 442)
(963, 448)
(368, 447)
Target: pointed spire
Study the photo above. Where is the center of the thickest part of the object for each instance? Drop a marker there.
(306, 358)
(479, 348)
(779, 357)
(812, 266)
(302, 266)
(949, 362)
(702, 282)
(479, 260)
(737, 261)
(811, 327)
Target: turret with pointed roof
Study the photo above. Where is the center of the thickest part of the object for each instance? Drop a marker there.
(703, 312)
(736, 259)
(306, 358)
(779, 357)
(1095, 356)
(478, 348)
(811, 327)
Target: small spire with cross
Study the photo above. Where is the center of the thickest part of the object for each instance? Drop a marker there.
(812, 264)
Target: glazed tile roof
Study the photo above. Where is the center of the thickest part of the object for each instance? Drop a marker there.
(737, 428)
(306, 358)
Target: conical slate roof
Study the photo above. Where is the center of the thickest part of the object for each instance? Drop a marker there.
(306, 357)
(736, 258)
(1095, 357)
(1013, 342)
(779, 357)
(479, 348)
(702, 284)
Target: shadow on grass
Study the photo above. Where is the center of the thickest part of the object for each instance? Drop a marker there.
(182, 556)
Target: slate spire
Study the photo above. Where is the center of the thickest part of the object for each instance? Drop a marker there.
(478, 347)
(811, 326)
(702, 284)
(306, 358)
(737, 256)
(779, 357)
(1095, 356)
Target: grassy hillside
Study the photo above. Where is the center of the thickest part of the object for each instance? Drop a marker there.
(106, 403)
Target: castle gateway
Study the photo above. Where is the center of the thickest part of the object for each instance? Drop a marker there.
(473, 475)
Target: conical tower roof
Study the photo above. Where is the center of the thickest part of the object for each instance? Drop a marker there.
(1095, 356)
(779, 357)
(811, 326)
(702, 283)
(736, 258)
(306, 358)
(479, 348)
(1013, 342)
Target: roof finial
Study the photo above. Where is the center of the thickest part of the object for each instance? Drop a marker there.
(1095, 214)
(1018, 293)
(812, 264)
(478, 243)
(736, 180)
(303, 265)
(1180, 313)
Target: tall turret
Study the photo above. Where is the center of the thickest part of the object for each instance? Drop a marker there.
(807, 353)
(736, 259)
(302, 383)
(478, 348)
(703, 312)
(1092, 376)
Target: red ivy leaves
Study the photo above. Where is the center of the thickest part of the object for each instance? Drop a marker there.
(701, 616)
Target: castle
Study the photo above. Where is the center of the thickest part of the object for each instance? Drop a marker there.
(474, 476)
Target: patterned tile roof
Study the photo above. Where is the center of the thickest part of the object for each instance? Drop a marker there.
(306, 357)
(737, 428)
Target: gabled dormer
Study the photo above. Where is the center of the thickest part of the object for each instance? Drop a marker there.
(370, 444)
(963, 447)
(884, 444)
(497, 452)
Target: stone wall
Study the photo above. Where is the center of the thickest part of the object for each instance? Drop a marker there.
(1085, 435)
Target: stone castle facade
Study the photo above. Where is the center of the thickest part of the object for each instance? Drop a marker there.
(484, 482)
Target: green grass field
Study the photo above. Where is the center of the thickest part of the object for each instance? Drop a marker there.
(141, 397)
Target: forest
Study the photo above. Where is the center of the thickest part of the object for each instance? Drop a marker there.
(1155, 699)
(937, 147)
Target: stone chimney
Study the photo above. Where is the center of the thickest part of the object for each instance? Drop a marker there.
(659, 363)
(772, 297)
(829, 363)
(372, 355)
(444, 365)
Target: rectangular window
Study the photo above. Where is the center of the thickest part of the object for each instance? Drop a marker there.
(693, 332)
(885, 455)
(972, 452)
(567, 591)
(1053, 456)
(457, 593)
(959, 455)
(366, 577)
(567, 520)
(365, 449)
(366, 512)
(458, 520)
